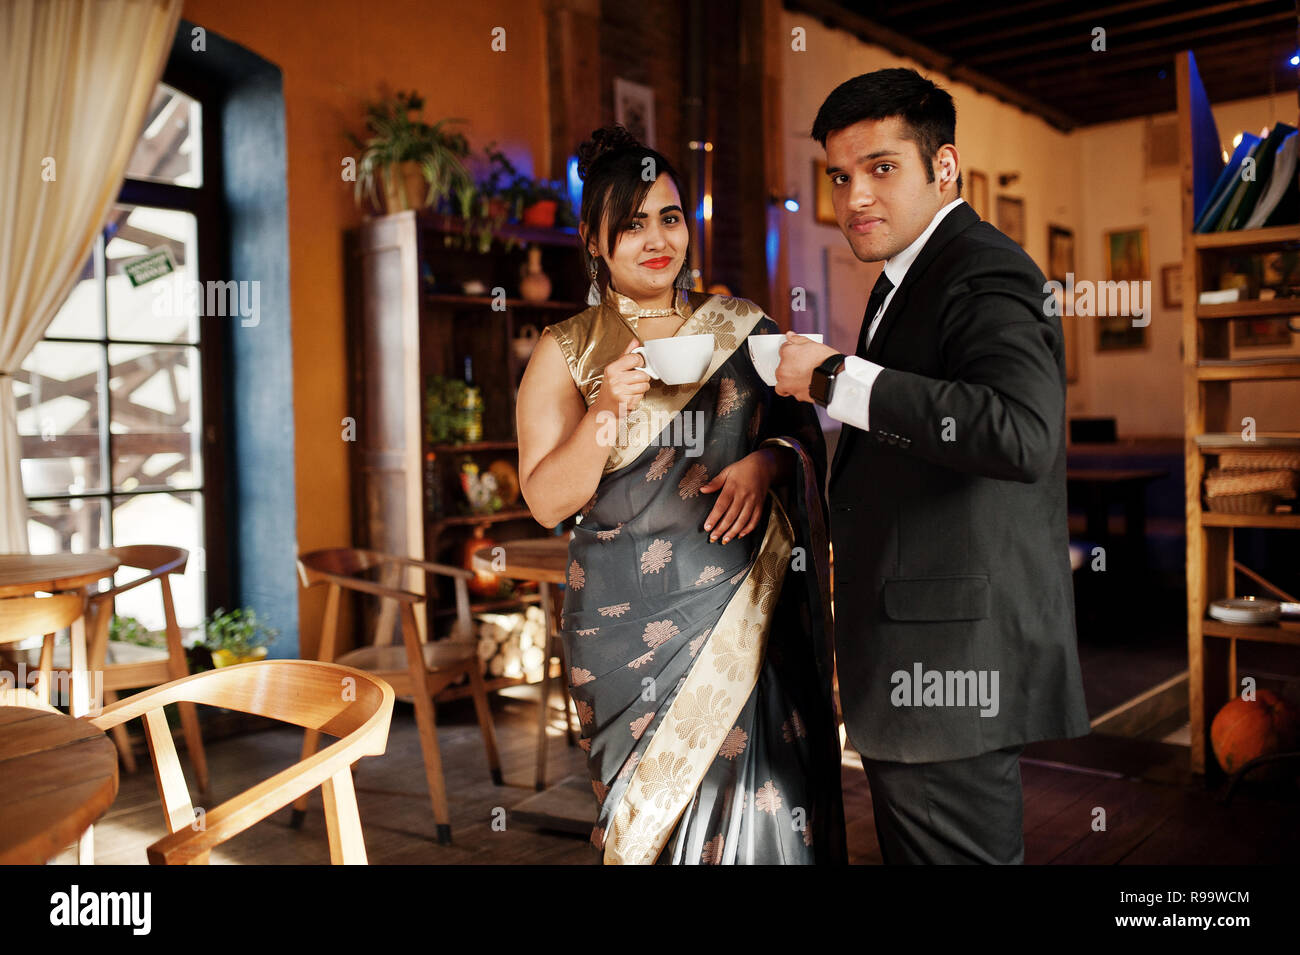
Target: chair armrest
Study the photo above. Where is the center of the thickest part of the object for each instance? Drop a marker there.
(369, 587)
(445, 570)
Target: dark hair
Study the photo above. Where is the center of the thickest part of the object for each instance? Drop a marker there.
(612, 165)
(929, 117)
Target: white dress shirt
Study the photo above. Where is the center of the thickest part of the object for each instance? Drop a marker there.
(851, 400)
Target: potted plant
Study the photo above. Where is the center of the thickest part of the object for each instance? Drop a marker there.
(236, 636)
(131, 630)
(402, 153)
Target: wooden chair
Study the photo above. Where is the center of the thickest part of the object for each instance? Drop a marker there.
(418, 668)
(322, 697)
(150, 666)
(23, 617)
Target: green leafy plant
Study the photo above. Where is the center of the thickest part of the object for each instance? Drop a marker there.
(131, 630)
(397, 133)
(239, 631)
(444, 399)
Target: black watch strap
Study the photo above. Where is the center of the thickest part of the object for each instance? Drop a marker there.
(823, 379)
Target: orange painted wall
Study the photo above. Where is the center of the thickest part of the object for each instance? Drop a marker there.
(336, 54)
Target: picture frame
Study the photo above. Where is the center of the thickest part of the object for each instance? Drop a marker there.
(1060, 252)
(823, 207)
(1127, 260)
(1126, 255)
(1011, 218)
(634, 109)
(1171, 285)
(979, 194)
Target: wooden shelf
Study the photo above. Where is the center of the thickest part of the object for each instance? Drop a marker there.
(1247, 239)
(1286, 631)
(1210, 564)
(474, 446)
(1263, 369)
(1262, 521)
(454, 225)
(510, 514)
(491, 606)
(1252, 308)
(447, 298)
(1231, 441)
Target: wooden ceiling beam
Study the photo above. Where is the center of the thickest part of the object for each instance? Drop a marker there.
(1106, 70)
(874, 33)
(1054, 24)
(1171, 43)
(932, 26)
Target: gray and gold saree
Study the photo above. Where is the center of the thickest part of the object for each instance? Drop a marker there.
(702, 672)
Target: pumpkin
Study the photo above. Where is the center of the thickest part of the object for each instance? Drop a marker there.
(1245, 729)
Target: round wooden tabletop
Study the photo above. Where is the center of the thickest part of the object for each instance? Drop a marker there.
(22, 574)
(543, 559)
(57, 776)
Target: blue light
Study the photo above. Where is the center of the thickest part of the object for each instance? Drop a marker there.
(575, 185)
(792, 205)
(1295, 60)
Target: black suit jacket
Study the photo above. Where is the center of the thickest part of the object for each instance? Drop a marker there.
(948, 517)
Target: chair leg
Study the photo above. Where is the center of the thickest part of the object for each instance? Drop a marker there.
(121, 737)
(194, 743)
(484, 710)
(428, 727)
(343, 820)
(310, 739)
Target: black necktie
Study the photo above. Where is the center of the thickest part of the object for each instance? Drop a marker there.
(879, 291)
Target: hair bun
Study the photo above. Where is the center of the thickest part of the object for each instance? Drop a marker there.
(607, 139)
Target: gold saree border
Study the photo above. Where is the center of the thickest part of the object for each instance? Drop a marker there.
(729, 321)
(704, 710)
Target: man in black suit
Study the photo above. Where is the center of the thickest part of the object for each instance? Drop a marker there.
(954, 609)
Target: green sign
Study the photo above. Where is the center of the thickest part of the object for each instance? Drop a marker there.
(152, 265)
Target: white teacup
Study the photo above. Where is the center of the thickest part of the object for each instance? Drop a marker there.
(677, 361)
(765, 352)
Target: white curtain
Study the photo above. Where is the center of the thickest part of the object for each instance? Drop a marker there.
(77, 77)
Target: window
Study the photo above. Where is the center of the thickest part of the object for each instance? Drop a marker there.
(110, 403)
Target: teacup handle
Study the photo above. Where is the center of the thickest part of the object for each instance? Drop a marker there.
(640, 350)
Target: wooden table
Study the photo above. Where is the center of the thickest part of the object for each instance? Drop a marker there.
(23, 574)
(57, 776)
(567, 806)
(1098, 487)
(544, 560)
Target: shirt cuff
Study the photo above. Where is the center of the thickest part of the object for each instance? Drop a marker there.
(851, 400)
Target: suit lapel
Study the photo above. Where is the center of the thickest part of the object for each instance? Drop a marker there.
(953, 224)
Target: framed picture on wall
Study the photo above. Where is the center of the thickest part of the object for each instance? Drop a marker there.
(634, 109)
(978, 194)
(1011, 217)
(1060, 252)
(1126, 261)
(1171, 285)
(823, 209)
(1126, 255)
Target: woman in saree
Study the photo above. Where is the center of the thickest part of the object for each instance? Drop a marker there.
(696, 622)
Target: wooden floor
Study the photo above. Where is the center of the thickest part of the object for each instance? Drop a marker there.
(1146, 822)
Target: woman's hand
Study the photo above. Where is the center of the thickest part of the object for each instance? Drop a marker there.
(623, 384)
(743, 487)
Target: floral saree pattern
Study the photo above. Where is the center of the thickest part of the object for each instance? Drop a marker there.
(701, 672)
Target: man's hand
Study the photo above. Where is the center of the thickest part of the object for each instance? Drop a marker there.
(799, 356)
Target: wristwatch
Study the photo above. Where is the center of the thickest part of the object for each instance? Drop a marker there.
(822, 385)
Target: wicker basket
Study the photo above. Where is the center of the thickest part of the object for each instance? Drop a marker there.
(1247, 492)
(1262, 460)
